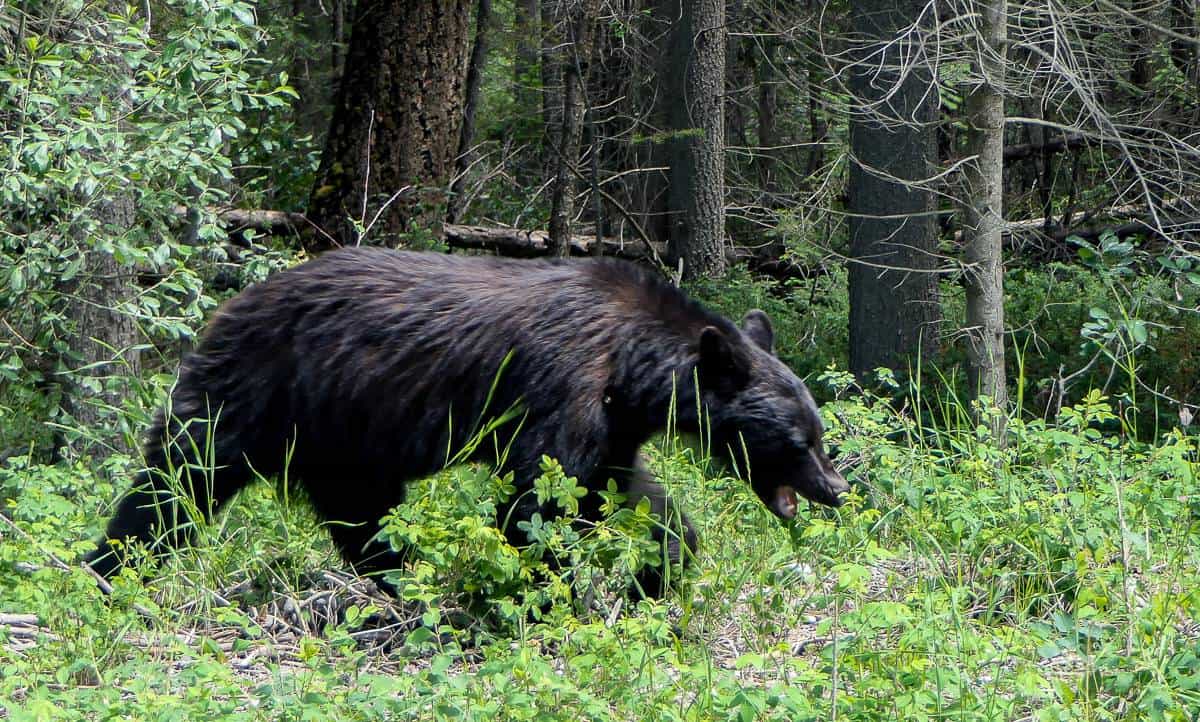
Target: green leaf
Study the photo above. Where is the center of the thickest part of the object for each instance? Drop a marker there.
(72, 268)
(244, 13)
(16, 279)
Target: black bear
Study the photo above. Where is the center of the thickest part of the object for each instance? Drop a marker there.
(371, 367)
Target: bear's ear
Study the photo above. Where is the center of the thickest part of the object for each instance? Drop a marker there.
(757, 325)
(724, 366)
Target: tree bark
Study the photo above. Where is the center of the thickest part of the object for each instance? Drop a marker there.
(818, 127)
(574, 75)
(696, 199)
(526, 28)
(552, 83)
(1184, 54)
(392, 141)
(526, 93)
(894, 311)
(768, 107)
(104, 333)
(984, 223)
(466, 136)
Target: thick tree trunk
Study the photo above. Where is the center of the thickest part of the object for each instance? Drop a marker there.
(696, 198)
(466, 136)
(893, 290)
(394, 133)
(984, 223)
(574, 75)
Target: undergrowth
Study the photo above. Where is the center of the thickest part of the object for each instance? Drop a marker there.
(1055, 578)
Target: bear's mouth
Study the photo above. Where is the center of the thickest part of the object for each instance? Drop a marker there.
(785, 502)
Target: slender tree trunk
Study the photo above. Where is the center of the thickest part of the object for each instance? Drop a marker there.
(395, 128)
(1185, 55)
(696, 199)
(314, 77)
(466, 136)
(526, 90)
(740, 68)
(552, 82)
(527, 32)
(336, 56)
(984, 222)
(818, 128)
(893, 295)
(768, 107)
(574, 75)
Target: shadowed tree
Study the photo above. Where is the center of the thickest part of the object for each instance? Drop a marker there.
(695, 94)
(893, 294)
(395, 128)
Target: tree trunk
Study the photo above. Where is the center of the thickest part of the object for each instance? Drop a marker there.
(696, 199)
(740, 70)
(1185, 54)
(984, 224)
(552, 83)
(526, 28)
(768, 106)
(893, 290)
(392, 140)
(574, 75)
(314, 77)
(466, 136)
(818, 127)
(526, 95)
(104, 333)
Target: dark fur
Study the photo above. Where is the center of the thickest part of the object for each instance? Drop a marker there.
(375, 365)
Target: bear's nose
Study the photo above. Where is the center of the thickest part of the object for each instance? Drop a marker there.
(836, 485)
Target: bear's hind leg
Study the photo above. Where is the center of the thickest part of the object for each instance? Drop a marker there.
(157, 509)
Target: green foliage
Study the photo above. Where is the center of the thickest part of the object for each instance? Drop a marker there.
(449, 529)
(810, 316)
(1053, 579)
(104, 110)
(1120, 321)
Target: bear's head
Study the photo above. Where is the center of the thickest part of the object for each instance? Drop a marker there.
(763, 419)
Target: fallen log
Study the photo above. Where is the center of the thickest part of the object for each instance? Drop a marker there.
(519, 243)
(522, 243)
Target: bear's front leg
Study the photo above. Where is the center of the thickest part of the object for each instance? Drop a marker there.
(674, 534)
